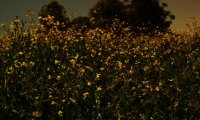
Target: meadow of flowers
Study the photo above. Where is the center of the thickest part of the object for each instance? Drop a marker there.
(99, 74)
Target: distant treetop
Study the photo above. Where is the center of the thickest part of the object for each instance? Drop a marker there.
(56, 10)
(144, 15)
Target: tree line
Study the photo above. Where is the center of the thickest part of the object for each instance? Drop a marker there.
(145, 16)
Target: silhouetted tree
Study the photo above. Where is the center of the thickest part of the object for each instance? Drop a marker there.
(56, 10)
(144, 15)
(81, 23)
(148, 14)
(105, 11)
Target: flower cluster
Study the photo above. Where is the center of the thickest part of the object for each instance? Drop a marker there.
(98, 74)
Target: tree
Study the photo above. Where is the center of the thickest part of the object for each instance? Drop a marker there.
(81, 23)
(57, 11)
(147, 14)
(105, 11)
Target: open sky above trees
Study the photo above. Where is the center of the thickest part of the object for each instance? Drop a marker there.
(182, 9)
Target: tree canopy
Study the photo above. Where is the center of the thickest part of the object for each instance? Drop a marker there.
(147, 14)
(56, 10)
(81, 23)
(106, 10)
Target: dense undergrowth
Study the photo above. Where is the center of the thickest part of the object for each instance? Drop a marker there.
(99, 74)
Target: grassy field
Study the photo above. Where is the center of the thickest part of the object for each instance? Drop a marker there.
(99, 74)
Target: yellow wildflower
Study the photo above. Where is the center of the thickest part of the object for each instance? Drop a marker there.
(119, 64)
(99, 89)
(20, 53)
(71, 100)
(76, 57)
(31, 63)
(97, 76)
(82, 70)
(156, 62)
(40, 17)
(48, 69)
(50, 96)
(86, 94)
(57, 61)
(72, 61)
(131, 72)
(146, 68)
(36, 114)
(53, 103)
(157, 89)
(102, 68)
(58, 77)
(60, 113)
(160, 84)
(145, 48)
(24, 64)
(89, 83)
(10, 70)
(49, 77)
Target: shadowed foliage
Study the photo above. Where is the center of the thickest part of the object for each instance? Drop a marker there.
(81, 22)
(107, 10)
(56, 10)
(145, 16)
